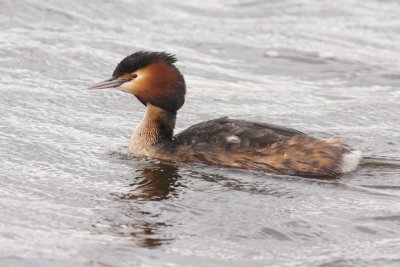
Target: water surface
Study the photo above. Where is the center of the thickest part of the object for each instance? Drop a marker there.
(71, 196)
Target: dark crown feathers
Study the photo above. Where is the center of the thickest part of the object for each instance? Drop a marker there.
(140, 60)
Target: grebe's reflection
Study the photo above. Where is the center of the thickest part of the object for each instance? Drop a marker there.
(156, 182)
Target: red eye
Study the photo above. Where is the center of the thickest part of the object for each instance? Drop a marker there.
(134, 75)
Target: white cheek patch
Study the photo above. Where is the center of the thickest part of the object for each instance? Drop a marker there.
(136, 85)
(127, 87)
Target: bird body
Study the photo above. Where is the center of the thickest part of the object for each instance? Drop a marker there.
(158, 84)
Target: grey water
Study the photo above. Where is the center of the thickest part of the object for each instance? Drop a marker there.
(70, 195)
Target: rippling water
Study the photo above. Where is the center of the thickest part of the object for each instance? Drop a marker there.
(71, 196)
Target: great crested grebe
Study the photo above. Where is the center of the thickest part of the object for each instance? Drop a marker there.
(155, 81)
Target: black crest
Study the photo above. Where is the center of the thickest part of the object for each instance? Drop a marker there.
(140, 60)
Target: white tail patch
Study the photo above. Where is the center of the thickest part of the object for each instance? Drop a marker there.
(350, 161)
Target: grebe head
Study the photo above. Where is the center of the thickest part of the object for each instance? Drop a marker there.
(152, 77)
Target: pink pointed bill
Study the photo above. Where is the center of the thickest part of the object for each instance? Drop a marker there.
(110, 83)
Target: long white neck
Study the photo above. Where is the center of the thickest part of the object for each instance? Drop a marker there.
(153, 136)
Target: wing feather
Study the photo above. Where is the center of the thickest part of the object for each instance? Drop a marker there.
(215, 133)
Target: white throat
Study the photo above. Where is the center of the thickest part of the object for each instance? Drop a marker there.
(147, 138)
